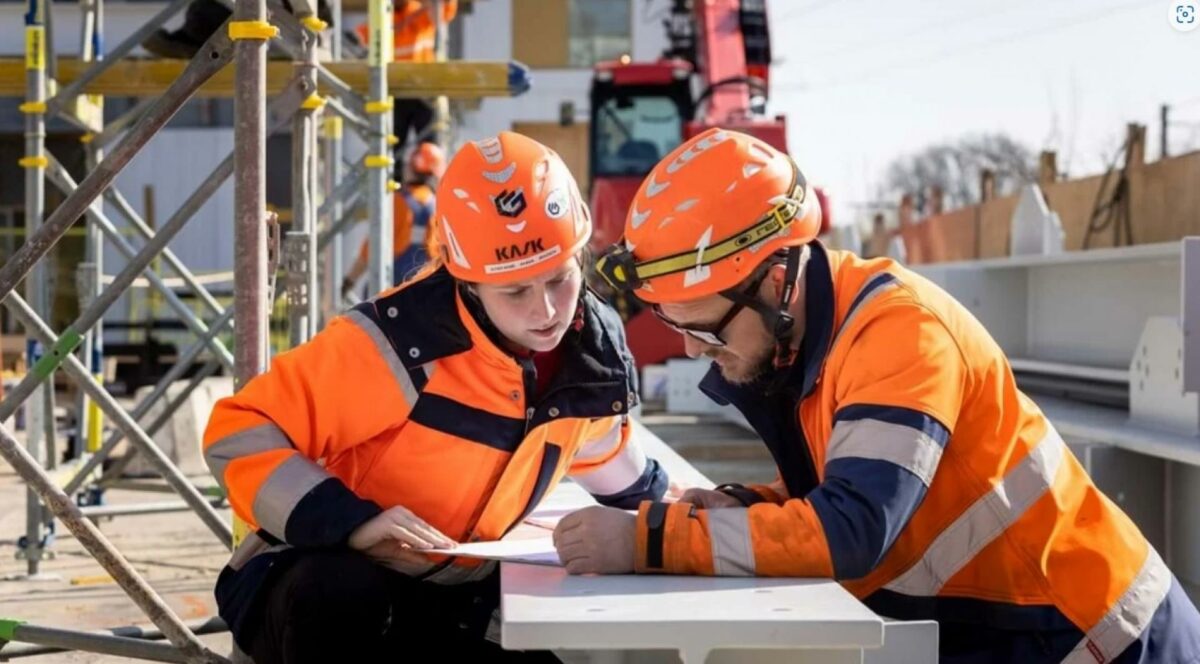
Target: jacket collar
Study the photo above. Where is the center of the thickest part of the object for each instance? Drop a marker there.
(430, 319)
(421, 319)
(818, 333)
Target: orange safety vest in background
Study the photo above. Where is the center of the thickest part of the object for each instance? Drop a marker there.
(409, 400)
(914, 471)
(404, 232)
(413, 29)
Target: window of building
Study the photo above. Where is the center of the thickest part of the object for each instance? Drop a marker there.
(598, 30)
(558, 34)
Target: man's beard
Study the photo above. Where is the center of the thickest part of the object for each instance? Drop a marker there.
(752, 368)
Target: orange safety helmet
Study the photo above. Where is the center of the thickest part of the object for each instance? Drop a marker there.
(427, 159)
(508, 209)
(707, 216)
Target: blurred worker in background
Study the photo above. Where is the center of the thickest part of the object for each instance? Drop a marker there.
(412, 211)
(414, 30)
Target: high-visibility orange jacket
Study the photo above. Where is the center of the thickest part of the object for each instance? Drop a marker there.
(413, 29)
(914, 471)
(409, 400)
(412, 211)
(412, 208)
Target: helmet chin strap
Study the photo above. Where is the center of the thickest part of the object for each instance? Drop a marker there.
(777, 319)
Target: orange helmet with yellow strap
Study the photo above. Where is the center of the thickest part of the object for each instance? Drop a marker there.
(707, 216)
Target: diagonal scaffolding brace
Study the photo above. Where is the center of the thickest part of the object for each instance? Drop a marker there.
(215, 54)
(84, 379)
(104, 552)
(59, 176)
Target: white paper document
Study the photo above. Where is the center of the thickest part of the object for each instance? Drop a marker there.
(534, 551)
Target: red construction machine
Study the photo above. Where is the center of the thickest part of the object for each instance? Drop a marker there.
(715, 73)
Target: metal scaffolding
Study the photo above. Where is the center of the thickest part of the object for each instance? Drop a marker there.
(314, 100)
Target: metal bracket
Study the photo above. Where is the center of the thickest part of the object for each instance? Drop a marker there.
(87, 277)
(295, 265)
(1157, 395)
(274, 240)
(42, 551)
(1190, 309)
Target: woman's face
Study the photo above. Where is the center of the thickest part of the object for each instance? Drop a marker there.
(534, 314)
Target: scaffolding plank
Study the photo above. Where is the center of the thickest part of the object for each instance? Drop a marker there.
(134, 77)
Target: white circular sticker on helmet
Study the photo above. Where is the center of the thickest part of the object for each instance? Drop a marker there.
(556, 204)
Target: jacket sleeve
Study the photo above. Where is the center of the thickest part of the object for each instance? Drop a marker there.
(894, 417)
(266, 445)
(612, 466)
(752, 494)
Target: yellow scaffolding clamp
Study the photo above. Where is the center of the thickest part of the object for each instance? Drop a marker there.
(378, 161)
(239, 30)
(313, 103)
(382, 106)
(314, 24)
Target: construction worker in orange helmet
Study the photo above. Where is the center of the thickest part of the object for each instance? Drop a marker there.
(440, 411)
(911, 467)
(412, 209)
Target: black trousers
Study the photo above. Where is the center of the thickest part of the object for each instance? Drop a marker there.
(339, 606)
(203, 17)
(413, 115)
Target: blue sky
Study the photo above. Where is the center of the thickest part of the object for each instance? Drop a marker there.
(865, 82)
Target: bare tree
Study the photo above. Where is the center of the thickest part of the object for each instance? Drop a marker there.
(955, 168)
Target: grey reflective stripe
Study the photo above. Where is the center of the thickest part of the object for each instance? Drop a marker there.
(985, 519)
(251, 547)
(262, 438)
(871, 283)
(617, 474)
(912, 450)
(384, 347)
(283, 489)
(732, 550)
(1128, 617)
(598, 447)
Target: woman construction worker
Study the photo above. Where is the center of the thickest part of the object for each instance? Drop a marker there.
(411, 212)
(440, 411)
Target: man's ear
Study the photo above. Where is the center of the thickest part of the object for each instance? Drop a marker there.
(776, 276)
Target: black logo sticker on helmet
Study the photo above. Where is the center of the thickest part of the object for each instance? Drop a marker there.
(510, 203)
(556, 204)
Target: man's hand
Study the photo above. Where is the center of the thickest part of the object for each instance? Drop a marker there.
(597, 540)
(675, 491)
(709, 499)
(399, 526)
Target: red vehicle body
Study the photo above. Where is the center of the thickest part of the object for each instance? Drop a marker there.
(714, 74)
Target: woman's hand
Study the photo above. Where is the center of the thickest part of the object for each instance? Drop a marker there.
(394, 527)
